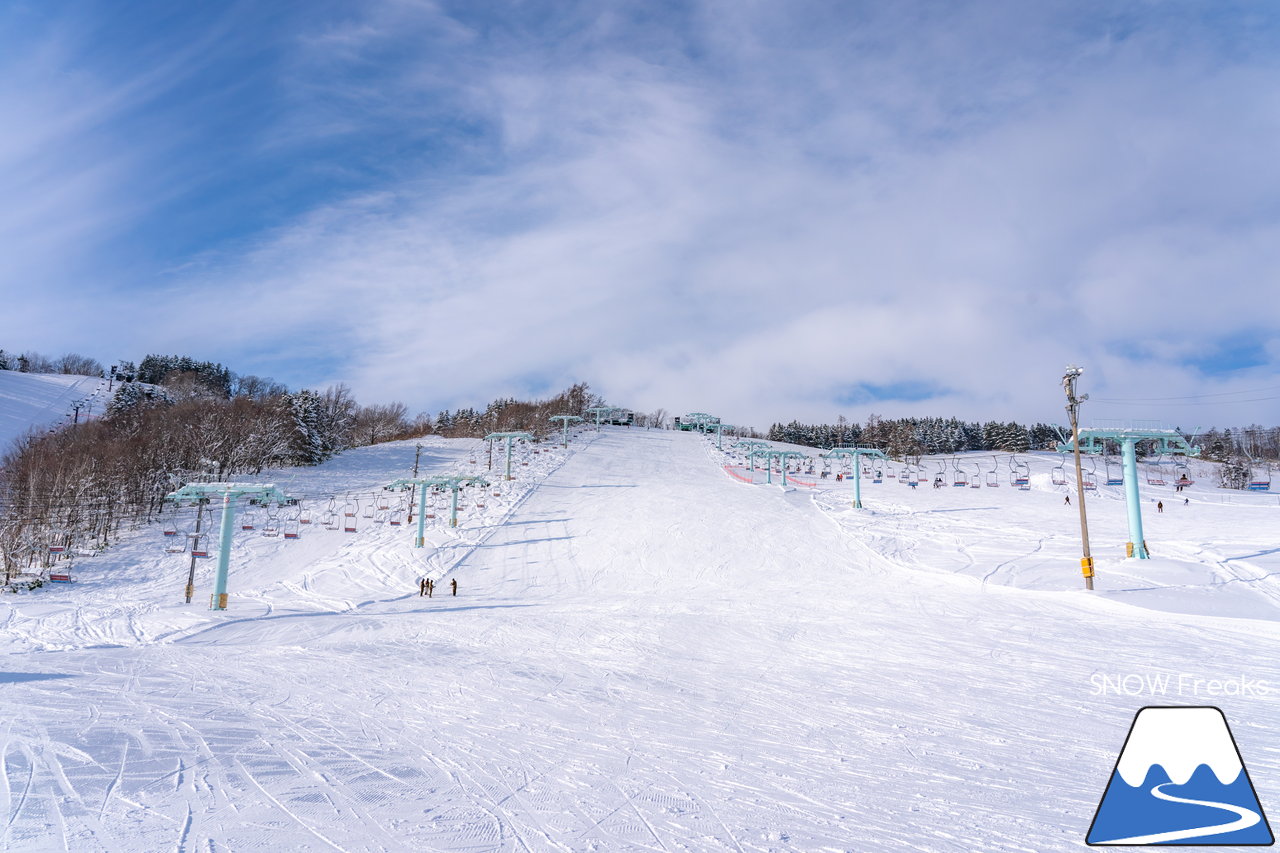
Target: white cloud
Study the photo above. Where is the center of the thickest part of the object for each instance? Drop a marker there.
(766, 212)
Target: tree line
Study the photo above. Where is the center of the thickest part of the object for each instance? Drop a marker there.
(81, 486)
(919, 436)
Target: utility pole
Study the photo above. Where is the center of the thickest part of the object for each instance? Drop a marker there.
(1073, 411)
(417, 452)
(195, 546)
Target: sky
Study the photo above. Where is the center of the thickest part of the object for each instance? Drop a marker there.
(763, 210)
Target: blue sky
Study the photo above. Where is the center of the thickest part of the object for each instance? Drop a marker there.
(765, 210)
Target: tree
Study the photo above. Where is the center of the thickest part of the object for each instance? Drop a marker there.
(74, 364)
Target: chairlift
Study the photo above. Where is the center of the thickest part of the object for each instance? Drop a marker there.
(304, 517)
(1059, 474)
(976, 482)
(368, 510)
(1259, 479)
(1090, 478)
(1183, 474)
(960, 479)
(993, 476)
(272, 526)
(1019, 474)
(1115, 478)
(247, 520)
(1155, 477)
(291, 528)
(176, 546)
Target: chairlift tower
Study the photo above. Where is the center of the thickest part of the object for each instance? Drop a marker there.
(1168, 441)
(565, 420)
(453, 482)
(600, 412)
(770, 455)
(855, 454)
(720, 428)
(751, 445)
(510, 437)
(230, 493)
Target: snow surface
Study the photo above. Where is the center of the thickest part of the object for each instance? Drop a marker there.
(645, 653)
(44, 400)
(1179, 740)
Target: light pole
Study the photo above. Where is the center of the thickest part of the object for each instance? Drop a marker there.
(1069, 380)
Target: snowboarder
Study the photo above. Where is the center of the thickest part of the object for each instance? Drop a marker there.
(454, 582)
(1186, 501)
(1159, 506)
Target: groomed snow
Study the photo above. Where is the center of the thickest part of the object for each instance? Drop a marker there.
(645, 653)
(36, 401)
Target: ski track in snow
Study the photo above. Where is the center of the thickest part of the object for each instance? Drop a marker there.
(645, 654)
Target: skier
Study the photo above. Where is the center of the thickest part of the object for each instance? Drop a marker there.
(1186, 501)
(431, 587)
(455, 586)
(1066, 499)
(422, 587)
(1159, 506)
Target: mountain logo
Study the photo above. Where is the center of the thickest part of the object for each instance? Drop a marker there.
(1180, 780)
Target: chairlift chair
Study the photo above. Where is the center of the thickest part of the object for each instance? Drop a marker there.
(976, 482)
(993, 476)
(1156, 478)
(176, 546)
(247, 521)
(960, 479)
(1059, 474)
(304, 517)
(291, 529)
(1113, 479)
(1090, 480)
(1259, 481)
(272, 526)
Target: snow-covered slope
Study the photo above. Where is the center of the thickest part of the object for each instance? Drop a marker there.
(644, 653)
(41, 401)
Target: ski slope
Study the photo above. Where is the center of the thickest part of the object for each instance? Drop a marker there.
(37, 401)
(645, 654)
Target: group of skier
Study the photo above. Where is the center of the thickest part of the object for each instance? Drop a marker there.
(427, 587)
